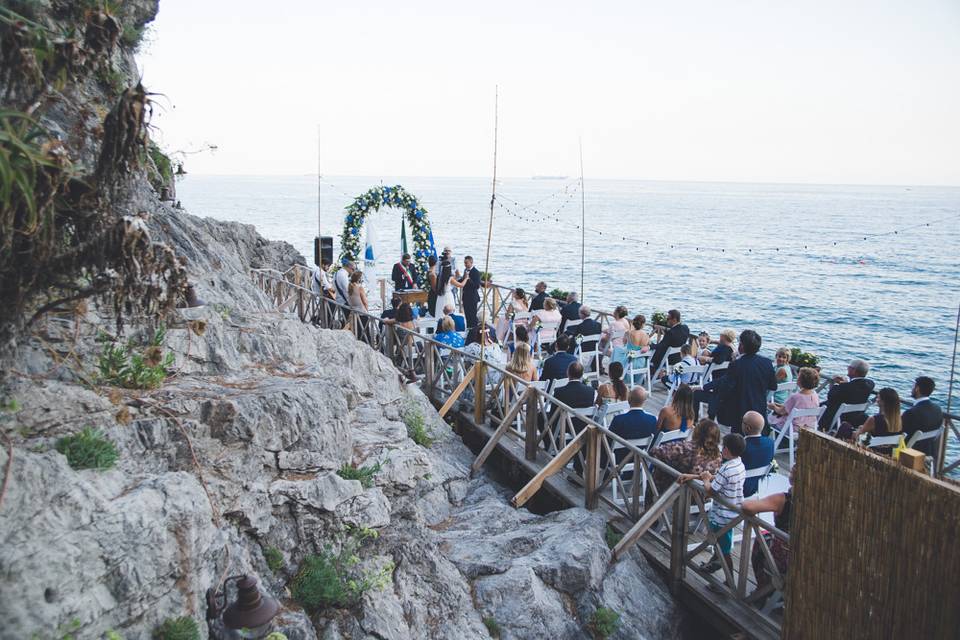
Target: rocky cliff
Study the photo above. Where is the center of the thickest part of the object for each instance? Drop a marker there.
(143, 468)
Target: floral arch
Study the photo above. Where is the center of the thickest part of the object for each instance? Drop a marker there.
(395, 196)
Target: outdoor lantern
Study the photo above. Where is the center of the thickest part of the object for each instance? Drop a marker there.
(248, 616)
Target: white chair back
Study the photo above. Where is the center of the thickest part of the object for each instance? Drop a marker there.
(789, 431)
(920, 436)
(672, 436)
(846, 408)
(885, 441)
(638, 364)
(557, 383)
(612, 409)
(708, 376)
(665, 363)
(697, 373)
(640, 443)
(571, 323)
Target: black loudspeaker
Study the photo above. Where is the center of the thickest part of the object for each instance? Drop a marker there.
(322, 249)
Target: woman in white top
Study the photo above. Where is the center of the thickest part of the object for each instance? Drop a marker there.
(518, 304)
(356, 291)
(615, 335)
(549, 314)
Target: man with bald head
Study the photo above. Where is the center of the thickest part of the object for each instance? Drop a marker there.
(758, 451)
(635, 423)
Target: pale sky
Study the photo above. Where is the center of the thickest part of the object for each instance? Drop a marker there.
(814, 91)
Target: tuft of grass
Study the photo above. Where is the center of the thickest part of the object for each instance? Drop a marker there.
(612, 536)
(274, 558)
(132, 36)
(492, 626)
(88, 449)
(417, 426)
(332, 579)
(123, 366)
(182, 628)
(363, 474)
(604, 622)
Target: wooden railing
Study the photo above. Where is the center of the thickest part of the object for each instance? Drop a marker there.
(560, 440)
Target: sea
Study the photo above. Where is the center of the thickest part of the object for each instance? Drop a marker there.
(841, 271)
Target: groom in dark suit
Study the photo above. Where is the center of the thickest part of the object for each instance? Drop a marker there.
(470, 284)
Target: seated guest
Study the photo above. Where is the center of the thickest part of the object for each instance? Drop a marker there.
(723, 352)
(615, 335)
(518, 304)
(548, 314)
(886, 423)
(391, 313)
(698, 454)
(703, 345)
(677, 335)
(521, 364)
(459, 322)
(570, 310)
(492, 354)
(804, 398)
(555, 366)
(924, 415)
(745, 386)
(447, 335)
(784, 374)
(404, 274)
(681, 375)
(615, 390)
(637, 338)
(635, 423)
(537, 302)
(575, 394)
(681, 413)
(522, 335)
(589, 329)
(855, 390)
(758, 451)
(779, 504)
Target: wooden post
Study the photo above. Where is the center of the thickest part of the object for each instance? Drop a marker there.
(556, 464)
(496, 302)
(667, 498)
(480, 393)
(502, 429)
(383, 294)
(428, 372)
(531, 439)
(467, 378)
(678, 538)
(746, 548)
(592, 469)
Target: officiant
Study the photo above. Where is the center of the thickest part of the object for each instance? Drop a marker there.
(404, 274)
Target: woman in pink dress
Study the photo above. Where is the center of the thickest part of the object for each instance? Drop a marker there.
(805, 398)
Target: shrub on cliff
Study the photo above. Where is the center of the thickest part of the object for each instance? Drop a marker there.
(182, 628)
(332, 579)
(126, 366)
(417, 426)
(88, 449)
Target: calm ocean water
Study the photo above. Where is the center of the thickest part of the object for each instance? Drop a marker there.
(790, 261)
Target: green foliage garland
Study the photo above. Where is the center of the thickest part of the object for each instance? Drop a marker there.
(372, 200)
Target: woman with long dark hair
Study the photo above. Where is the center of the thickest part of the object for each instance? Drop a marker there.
(615, 390)
(681, 413)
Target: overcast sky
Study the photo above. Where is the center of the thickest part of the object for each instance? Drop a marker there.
(815, 91)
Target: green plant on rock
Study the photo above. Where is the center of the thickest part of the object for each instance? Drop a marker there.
(612, 536)
(274, 558)
(276, 635)
(112, 635)
(363, 474)
(417, 429)
(492, 626)
(334, 579)
(88, 449)
(182, 628)
(604, 622)
(125, 366)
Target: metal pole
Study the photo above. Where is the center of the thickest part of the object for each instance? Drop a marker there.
(583, 227)
(319, 189)
(946, 420)
(493, 197)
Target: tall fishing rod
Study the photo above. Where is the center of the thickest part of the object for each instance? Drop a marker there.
(493, 197)
(583, 226)
(947, 420)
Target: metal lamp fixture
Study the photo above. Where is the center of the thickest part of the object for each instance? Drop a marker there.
(251, 611)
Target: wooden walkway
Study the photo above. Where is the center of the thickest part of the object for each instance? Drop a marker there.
(572, 456)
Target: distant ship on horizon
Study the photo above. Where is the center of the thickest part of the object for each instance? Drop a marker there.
(550, 177)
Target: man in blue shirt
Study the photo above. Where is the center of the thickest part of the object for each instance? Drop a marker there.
(459, 322)
(759, 449)
(556, 365)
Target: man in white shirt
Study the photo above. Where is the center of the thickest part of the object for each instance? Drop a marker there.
(320, 284)
(341, 282)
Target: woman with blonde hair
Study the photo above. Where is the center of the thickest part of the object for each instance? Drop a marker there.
(886, 423)
(784, 374)
(521, 364)
(680, 413)
(548, 314)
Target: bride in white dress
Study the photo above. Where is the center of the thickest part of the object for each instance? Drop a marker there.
(444, 289)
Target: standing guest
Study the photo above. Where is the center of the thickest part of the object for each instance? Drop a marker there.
(391, 313)
(853, 389)
(521, 364)
(805, 398)
(356, 292)
(404, 274)
(549, 314)
(538, 300)
(446, 333)
(698, 454)
(432, 276)
(459, 322)
(615, 390)
(555, 367)
(341, 282)
(886, 423)
(589, 329)
(924, 415)
(469, 286)
(745, 386)
(570, 310)
(677, 335)
(784, 374)
(680, 413)
(321, 283)
(727, 484)
(758, 449)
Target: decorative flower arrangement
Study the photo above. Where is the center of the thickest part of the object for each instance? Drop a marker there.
(800, 358)
(658, 318)
(385, 196)
(558, 294)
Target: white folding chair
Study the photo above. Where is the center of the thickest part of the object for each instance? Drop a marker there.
(569, 324)
(884, 441)
(540, 341)
(708, 376)
(664, 437)
(759, 472)
(638, 364)
(643, 444)
(697, 371)
(846, 408)
(665, 363)
(920, 436)
(790, 432)
(520, 317)
(591, 363)
(612, 409)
